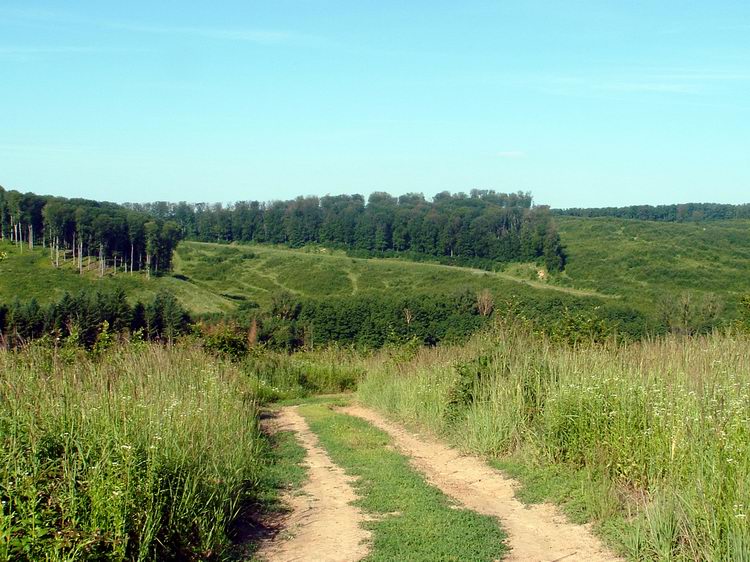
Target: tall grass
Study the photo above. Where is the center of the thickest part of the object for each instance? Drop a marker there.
(280, 376)
(145, 453)
(664, 424)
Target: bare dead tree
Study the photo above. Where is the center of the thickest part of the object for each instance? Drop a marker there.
(485, 302)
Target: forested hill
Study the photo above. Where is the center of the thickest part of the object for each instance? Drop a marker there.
(467, 229)
(117, 236)
(685, 212)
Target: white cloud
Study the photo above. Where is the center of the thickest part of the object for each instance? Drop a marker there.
(511, 154)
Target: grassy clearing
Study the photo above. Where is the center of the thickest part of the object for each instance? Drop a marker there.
(652, 440)
(610, 260)
(218, 278)
(146, 453)
(646, 260)
(413, 521)
(257, 271)
(27, 274)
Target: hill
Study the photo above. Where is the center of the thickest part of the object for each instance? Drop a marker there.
(214, 278)
(611, 261)
(27, 274)
(644, 262)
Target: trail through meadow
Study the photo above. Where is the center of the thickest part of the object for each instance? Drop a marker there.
(325, 526)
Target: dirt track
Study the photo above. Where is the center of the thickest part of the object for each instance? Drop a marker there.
(323, 525)
(535, 533)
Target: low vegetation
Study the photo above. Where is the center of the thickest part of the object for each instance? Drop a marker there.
(648, 264)
(653, 435)
(149, 452)
(618, 387)
(279, 376)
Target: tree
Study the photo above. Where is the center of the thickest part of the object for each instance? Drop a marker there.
(151, 232)
(554, 254)
(485, 302)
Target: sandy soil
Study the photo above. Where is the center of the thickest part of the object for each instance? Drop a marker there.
(323, 525)
(535, 533)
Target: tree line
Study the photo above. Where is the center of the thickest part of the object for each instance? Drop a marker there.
(367, 321)
(89, 317)
(481, 225)
(77, 229)
(371, 321)
(687, 212)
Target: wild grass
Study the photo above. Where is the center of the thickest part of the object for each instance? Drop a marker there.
(652, 440)
(335, 274)
(283, 377)
(411, 519)
(143, 453)
(643, 261)
(27, 274)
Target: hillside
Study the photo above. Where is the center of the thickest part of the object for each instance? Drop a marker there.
(239, 273)
(27, 274)
(218, 277)
(629, 261)
(644, 261)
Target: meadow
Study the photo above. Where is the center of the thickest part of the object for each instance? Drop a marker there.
(620, 262)
(649, 440)
(220, 278)
(644, 262)
(253, 273)
(27, 274)
(146, 452)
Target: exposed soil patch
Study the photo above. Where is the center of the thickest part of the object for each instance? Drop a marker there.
(323, 525)
(536, 533)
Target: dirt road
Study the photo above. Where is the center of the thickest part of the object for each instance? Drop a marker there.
(535, 533)
(325, 526)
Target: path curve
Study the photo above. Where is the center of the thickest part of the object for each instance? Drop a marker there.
(536, 533)
(323, 524)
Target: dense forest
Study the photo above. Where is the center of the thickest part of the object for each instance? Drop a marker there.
(77, 229)
(88, 318)
(687, 212)
(481, 225)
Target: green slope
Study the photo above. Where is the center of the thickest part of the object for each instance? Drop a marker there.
(218, 277)
(630, 261)
(27, 274)
(255, 272)
(643, 261)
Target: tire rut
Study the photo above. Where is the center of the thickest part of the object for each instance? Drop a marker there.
(323, 524)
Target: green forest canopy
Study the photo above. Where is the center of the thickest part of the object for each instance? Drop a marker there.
(684, 212)
(83, 227)
(481, 225)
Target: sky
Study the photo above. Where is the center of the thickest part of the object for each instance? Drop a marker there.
(582, 103)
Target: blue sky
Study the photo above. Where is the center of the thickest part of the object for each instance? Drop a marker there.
(583, 103)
